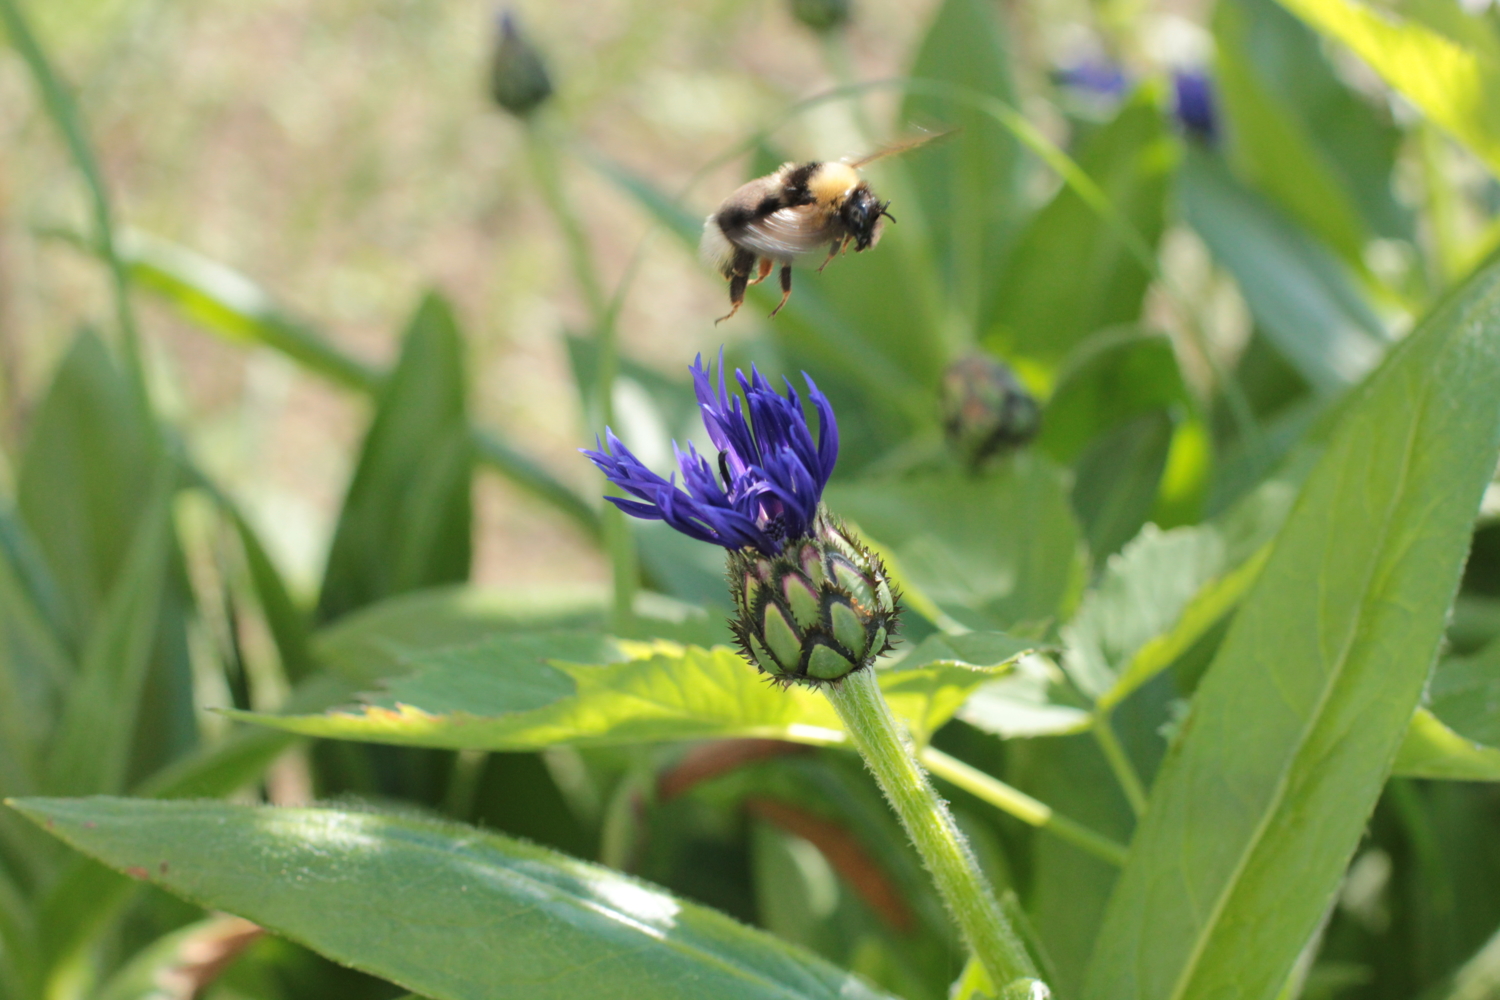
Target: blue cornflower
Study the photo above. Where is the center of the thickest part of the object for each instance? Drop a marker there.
(1195, 104)
(770, 473)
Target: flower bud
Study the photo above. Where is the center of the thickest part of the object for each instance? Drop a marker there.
(821, 15)
(986, 409)
(815, 612)
(518, 78)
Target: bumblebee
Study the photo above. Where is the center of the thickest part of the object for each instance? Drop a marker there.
(799, 209)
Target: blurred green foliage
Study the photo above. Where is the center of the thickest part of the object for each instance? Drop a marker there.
(1251, 747)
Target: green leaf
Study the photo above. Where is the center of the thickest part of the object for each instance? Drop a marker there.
(1250, 827)
(1457, 737)
(288, 623)
(226, 302)
(1298, 292)
(494, 918)
(229, 304)
(1465, 694)
(1110, 378)
(91, 749)
(1270, 144)
(34, 666)
(932, 682)
(405, 522)
(1352, 135)
(241, 757)
(1117, 480)
(992, 550)
(527, 691)
(969, 185)
(380, 640)
(1164, 592)
(1432, 750)
(1453, 84)
(84, 479)
(1071, 273)
(1032, 700)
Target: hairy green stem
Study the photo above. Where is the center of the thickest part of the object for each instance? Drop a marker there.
(1119, 763)
(887, 751)
(1020, 805)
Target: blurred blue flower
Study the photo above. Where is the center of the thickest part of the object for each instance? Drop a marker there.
(770, 474)
(1195, 105)
(1098, 76)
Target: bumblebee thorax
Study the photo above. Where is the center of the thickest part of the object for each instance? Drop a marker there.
(832, 182)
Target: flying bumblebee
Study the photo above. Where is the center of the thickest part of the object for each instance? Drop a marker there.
(797, 210)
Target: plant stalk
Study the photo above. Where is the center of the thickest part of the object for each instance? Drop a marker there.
(599, 397)
(1020, 805)
(887, 751)
(63, 110)
(1119, 762)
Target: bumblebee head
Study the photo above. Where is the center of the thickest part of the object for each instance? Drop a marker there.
(861, 216)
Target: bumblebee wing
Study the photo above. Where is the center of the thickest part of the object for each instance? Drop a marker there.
(785, 233)
(901, 147)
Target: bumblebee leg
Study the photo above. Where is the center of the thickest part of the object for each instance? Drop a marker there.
(739, 277)
(765, 271)
(786, 287)
(833, 251)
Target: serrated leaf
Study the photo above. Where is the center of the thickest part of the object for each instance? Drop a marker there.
(494, 918)
(1250, 827)
(1025, 704)
(1164, 592)
(1451, 83)
(405, 520)
(530, 691)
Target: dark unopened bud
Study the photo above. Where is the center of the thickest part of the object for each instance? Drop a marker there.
(518, 76)
(818, 611)
(821, 15)
(986, 409)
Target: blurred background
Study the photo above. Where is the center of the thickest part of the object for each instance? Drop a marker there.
(347, 156)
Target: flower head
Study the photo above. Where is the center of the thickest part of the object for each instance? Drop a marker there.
(765, 488)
